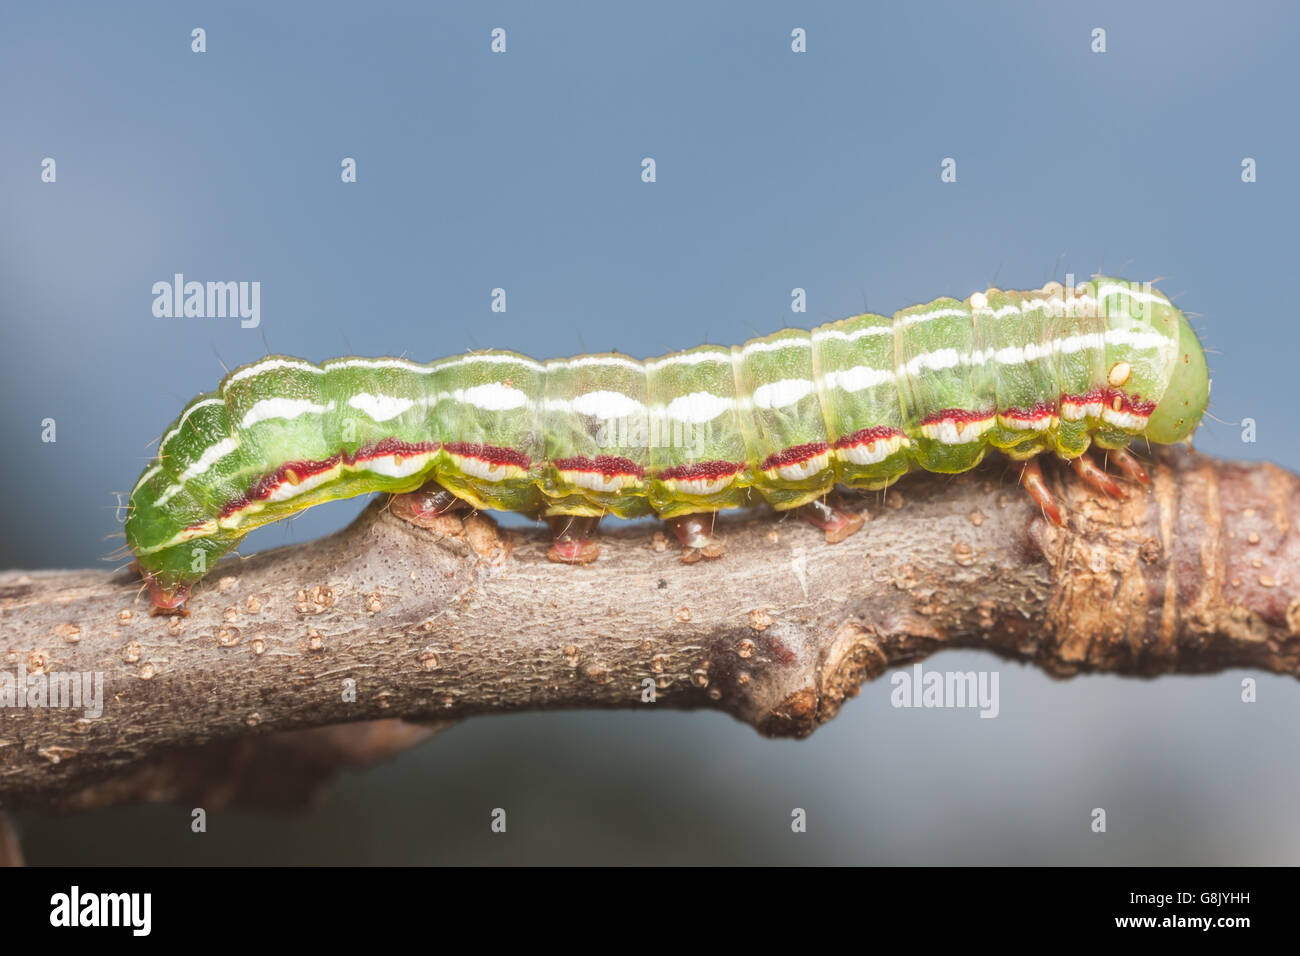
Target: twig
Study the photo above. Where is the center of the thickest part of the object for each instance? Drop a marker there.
(389, 620)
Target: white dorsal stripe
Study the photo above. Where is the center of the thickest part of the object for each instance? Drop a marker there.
(391, 363)
(1138, 293)
(782, 394)
(587, 361)
(474, 358)
(690, 358)
(698, 407)
(380, 408)
(286, 408)
(919, 317)
(780, 345)
(865, 332)
(271, 365)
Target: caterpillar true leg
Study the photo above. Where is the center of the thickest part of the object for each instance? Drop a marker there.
(573, 544)
(836, 522)
(1032, 478)
(1094, 477)
(695, 532)
(1133, 469)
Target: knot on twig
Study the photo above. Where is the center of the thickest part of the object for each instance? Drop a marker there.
(853, 657)
(1113, 602)
(477, 532)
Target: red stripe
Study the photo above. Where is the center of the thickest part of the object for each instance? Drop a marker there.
(607, 465)
(796, 454)
(1097, 395)
(492, 454)
(1106, 396)
(1039, 411)
(700, 469)
(962, 415)
(869, 436)
(263, 487)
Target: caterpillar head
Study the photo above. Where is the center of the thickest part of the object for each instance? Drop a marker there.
(1155, 356)
(1179, 410)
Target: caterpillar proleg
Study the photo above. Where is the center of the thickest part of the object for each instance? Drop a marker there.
(781, 419)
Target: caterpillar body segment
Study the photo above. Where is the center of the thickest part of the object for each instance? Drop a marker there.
(784, 418)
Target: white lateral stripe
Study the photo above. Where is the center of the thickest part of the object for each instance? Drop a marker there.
(782, 394)
(379, 408)
(209, 457)
(1078, 343)
(935, 361)
(149, 473)
(1019, 355)
(1139, 339)
(698, 407)
(491, 397)
(606, 404)
(286, 408)
(186, 417)
(1001, 312)
(859, 378)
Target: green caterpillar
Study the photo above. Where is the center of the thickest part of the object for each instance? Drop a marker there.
(784, 418)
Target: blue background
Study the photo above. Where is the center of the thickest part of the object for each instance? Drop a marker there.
(775, 170)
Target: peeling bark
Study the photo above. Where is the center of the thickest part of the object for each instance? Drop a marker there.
(459, 618)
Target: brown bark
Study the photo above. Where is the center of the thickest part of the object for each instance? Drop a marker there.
(436, 624)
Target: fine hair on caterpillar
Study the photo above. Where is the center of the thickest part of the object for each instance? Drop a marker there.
(780, 419)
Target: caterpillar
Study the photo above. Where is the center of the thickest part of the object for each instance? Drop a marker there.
(782, 419)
